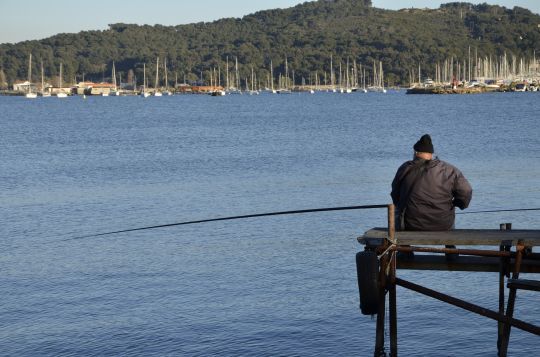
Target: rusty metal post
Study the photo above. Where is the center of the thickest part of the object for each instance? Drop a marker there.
(511, 301)
(379, 338)
(392, 223)
(392, 299)
(503, 271)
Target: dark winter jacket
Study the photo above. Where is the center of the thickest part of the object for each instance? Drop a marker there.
(428, 204)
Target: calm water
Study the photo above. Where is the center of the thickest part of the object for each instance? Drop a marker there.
(275, 286)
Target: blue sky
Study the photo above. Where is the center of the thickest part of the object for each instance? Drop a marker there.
(36, 19)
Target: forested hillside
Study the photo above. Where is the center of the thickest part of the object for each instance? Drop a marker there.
(307, 35)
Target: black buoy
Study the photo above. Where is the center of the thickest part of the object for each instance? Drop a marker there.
(367, 269)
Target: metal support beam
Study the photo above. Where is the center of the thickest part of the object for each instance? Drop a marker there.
(525, 326)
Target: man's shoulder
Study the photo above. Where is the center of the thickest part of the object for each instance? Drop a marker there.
(446, 166)
(409, 163)
(405, 165)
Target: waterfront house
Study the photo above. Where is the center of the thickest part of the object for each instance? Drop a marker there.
(24, 87)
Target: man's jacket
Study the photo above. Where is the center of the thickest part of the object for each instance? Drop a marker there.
(426, 192)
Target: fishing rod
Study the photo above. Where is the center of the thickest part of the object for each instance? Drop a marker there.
(281, 213)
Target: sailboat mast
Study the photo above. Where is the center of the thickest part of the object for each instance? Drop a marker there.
(42, 79)
(252, 80)
(227, 76)
(331, 71)
(237, 74)
(165, 69)
(271, 75)
(30, 69)
(347, 76)
(157, 74)
(60, 84)
(286, 73)
(340, 76)
(114, 75)
(381, 75)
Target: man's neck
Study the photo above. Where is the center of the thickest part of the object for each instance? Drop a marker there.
(424, 155)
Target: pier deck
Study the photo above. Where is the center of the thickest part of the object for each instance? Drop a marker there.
(483, 237)
(507, 252)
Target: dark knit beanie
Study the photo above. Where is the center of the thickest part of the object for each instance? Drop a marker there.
(424, 144)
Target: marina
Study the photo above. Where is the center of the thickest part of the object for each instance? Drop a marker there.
(505, 74)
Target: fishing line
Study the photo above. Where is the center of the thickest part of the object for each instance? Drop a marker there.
(502, 210)
(282, 213)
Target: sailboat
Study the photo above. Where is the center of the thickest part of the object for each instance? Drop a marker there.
(348, 88)
(378, 79)
(60, 94)
(252, 91)
(272, 78)
(144, 93)
(382, 78)
(43, 94)
(156, 92)
(30, 94)
(364, 81)
(332, 75)
(235, 89)
(167, 91)
(115, 90)
(285, 85)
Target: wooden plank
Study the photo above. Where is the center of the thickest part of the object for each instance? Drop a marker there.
(457, 237)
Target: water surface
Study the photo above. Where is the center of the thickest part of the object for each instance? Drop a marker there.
(274, 286)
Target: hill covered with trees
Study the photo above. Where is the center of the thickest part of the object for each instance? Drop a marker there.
(307, 35)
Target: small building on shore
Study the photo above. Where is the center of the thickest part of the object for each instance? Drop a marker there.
(201, 89)
(24, 87)
(91, 88)
(56, 90)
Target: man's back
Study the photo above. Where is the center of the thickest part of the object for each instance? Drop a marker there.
(426, 192)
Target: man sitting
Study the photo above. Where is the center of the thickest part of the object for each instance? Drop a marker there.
(426, 191)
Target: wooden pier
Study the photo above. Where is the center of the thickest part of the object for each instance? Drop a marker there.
(387, 250)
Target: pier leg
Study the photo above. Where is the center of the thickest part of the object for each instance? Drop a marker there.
(388, 267)
(503, 271)
(392, 301)
(392, 282)
(511, 302)
(379, 338)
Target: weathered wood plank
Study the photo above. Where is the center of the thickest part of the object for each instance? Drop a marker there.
(457, 237)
